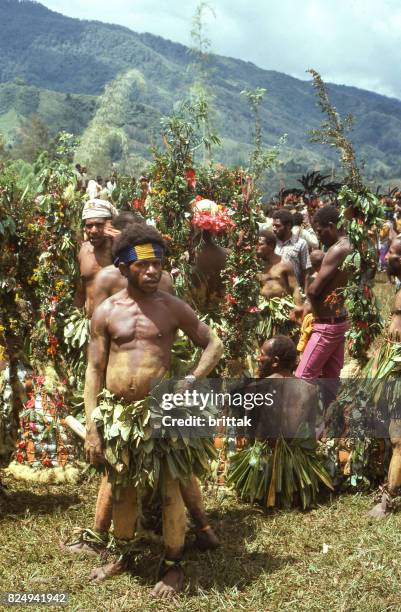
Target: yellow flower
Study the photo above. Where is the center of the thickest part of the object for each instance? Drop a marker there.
(59, 285)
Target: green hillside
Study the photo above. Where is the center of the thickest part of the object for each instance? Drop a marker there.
(70, 112)
(138, 77)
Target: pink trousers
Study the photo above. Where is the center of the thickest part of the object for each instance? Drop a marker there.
(324, 354)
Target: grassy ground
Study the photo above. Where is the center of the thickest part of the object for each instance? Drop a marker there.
(266, 562)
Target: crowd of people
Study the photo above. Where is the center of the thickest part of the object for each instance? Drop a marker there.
(134, 315)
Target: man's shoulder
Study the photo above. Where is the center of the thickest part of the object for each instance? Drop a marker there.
(171, 301)
(340, 249)
(284, 266)
(108, 273)
(103, 311)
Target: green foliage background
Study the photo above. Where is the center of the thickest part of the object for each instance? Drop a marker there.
(112, 85)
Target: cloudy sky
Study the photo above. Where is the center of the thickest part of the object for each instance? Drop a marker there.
(352, 42)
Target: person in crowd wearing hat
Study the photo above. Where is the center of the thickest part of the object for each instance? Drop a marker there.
(95, 252)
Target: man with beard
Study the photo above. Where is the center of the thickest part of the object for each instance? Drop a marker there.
(131, 339)
(278, 278)
(289, 247)
(391, 347)
(95, 253)
(324, 353)
(295, 401)
(109, 280)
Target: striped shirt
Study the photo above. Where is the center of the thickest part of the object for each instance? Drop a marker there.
(295, 250)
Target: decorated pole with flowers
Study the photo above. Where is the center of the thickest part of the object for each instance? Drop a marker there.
(56, 222)
(38, 270)
(361, 214)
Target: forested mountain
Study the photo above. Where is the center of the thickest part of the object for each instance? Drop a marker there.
(111, 86)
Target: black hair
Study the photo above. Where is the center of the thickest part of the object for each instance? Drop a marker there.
(284, 348)
(125, 218)
(297, 218)
(270, 238)
(137, 233)
(267, 208)
(284, 216)
(326, 215)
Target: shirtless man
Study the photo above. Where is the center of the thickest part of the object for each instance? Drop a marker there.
(278, 278)
(131, 339)
(208, 259)
(95, 253)
(108, 282)
(295, 402)
(393, 259)
(324, 353)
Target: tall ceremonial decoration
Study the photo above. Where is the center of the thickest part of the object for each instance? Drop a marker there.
(242, 286)
(193, 204)
(57, 228)
(41, 249)
(361, 215)
(17, 257)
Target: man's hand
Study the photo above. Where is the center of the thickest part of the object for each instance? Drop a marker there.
(94, 447)
(297, 314)
(110, 231)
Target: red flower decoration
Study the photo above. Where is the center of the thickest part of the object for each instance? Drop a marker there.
(217, 223)
(362, 324)
(30, 403)
(19, 457)
(190, 176)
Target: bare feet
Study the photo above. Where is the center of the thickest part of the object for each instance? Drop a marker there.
(170, 584)
(81, 548)
(85, 541)
(381, 510)
(206, 539)
(98, 574)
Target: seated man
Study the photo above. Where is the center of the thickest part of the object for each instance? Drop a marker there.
(282, 426)
(295, 402)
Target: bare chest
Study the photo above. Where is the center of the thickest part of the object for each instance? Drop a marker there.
(91, 262)
(135, 324)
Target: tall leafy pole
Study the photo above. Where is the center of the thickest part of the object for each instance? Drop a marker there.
(360, 215)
